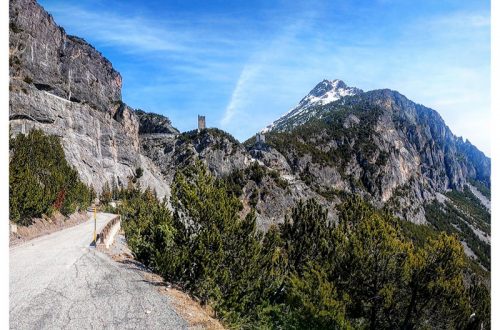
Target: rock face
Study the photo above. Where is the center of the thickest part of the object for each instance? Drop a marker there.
(272, 196)
(152, 123)
(383, 146)
(218, 150)
(42, 54)
(62, 85)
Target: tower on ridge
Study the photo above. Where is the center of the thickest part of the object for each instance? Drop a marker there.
(201, 123)
(260, 138)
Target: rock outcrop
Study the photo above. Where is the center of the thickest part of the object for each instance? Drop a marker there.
(62, 85)
(152, 123)
(218, 150)
(43, 55)
(273, 195)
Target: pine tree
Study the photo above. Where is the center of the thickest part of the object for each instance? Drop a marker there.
(436, 288)
(479, 300)
(218, 253)
(370, 262)
(106, 194)
(363, 272)
(148, 227)
(206, 217)
(273, 269)
(315, 301)
(306, 235)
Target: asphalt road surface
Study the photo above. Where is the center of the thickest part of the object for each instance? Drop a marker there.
(59, 281)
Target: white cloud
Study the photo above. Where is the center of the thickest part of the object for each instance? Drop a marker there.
(456, 20)
(255, 78)
(134, 32)
(240, 93)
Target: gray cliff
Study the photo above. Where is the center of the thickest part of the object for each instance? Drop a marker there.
(64, 86)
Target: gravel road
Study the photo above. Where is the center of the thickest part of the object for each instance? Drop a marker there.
(59, 281)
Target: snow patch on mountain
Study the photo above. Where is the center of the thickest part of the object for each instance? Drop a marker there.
(327, 91)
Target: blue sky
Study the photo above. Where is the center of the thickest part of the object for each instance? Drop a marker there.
(245, 63)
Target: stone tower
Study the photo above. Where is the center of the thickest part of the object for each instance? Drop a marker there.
(260, 138)
(201, 123)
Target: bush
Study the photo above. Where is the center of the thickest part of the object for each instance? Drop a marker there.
(106, 194)
(40, 179)
(256, 172)
(364, 272)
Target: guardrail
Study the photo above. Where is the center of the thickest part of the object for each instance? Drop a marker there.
(107, 234)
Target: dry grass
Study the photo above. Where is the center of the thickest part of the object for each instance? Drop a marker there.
(197, 316)
(45, 226)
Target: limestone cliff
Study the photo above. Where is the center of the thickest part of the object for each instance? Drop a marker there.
(64, 86)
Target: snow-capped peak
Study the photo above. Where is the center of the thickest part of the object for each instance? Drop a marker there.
(327, 91)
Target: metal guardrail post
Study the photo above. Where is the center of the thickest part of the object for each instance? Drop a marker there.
(95, 227)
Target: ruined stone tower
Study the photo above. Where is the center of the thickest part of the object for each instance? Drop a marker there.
(260, 138)
(201, 123)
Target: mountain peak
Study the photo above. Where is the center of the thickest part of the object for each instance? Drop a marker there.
(326, 86)
(326, 91)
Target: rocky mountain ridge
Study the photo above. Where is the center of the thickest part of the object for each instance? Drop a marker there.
(152, 123)
(397, 154)
(384, 140)
(261, 177)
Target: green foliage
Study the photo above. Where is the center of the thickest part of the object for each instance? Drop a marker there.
(371, 275)
(450, 219)
(256, 172)
(436, 291)
(331, 193)
(40, 179)
(316, 302)
(310, 138)
(204, 246)
(148, 226)
(375, 257)
(254, 198)
(479, 299)
(106, 194)
(306, 235)
(282, 183)
(471, 206)
(217, 252)
(236, 181)
(139, 172)
(366, 271)
(193, 135)
(483, 189)
(418, 234)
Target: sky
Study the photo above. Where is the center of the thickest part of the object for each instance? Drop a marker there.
(243, 64)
